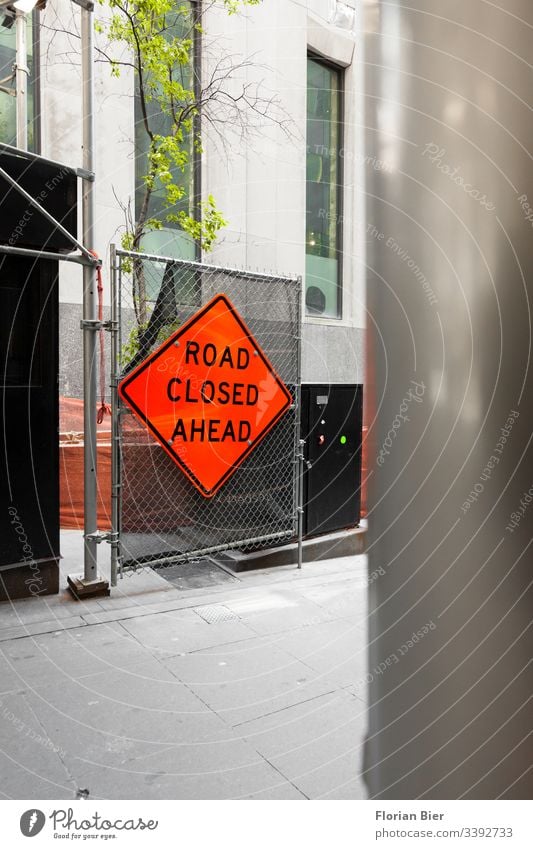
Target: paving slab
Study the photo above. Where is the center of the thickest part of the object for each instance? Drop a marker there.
(115, 750)
(250, 660)
(337, 598)
(336, 649)
(48, 626)
(68, 655)
(255, 780)
(317, 745)
(31, 762)
(277, 611)
(249, 680)
(28, 611)
(168, 634)
(108, 732)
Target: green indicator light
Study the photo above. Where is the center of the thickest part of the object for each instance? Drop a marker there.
(343, 440)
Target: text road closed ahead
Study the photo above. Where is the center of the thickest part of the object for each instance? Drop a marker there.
(209, 395)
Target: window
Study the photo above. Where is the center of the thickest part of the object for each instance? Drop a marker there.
(8, 106)
(323, 195)
(170, 240)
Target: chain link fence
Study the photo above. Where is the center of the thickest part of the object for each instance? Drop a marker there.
(159, 517)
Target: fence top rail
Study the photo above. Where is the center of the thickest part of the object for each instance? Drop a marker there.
(205, 266)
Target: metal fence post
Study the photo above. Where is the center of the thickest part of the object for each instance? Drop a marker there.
(301, 442)
(115, 436)
(301, 445)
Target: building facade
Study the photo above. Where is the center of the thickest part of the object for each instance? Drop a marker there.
(286, 188)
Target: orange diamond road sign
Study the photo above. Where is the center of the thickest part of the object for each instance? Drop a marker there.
(208, 394)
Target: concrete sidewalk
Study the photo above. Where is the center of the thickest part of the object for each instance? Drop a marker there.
(251, 687)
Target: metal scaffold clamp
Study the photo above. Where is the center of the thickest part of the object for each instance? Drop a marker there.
(103, 536)
(96, 324)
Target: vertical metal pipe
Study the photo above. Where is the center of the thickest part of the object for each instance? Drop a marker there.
(36, 81)
(21, 81)
(300, 441)
(115, 436)
(301, 446)
(449, 243)
(89, 302)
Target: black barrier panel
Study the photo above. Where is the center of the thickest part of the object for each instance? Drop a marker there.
(54, 187)
(29, 451)
(332, 420)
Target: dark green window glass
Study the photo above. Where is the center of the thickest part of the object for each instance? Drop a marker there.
(171, 240)
(323, 195)
(8, 106)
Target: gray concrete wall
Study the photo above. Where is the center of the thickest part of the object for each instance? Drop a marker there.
(70, 352)
(333, 354)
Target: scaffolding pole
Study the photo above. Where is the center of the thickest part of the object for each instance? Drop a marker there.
(89, 584)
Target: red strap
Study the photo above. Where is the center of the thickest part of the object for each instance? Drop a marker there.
(104, 408)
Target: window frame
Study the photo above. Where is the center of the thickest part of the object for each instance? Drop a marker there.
(33, 83)
(340, 70)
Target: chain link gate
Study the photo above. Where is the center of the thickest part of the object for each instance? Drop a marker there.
(158, 517)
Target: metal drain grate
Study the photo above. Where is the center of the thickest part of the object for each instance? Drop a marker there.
(214, 613)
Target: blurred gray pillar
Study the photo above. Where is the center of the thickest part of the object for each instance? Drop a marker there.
(449, 251)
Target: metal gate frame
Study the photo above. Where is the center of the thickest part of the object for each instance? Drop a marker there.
(115, 537)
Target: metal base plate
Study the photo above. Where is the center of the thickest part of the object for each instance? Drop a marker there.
(80, 588)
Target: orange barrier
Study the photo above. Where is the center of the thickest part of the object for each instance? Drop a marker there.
(71, 484)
